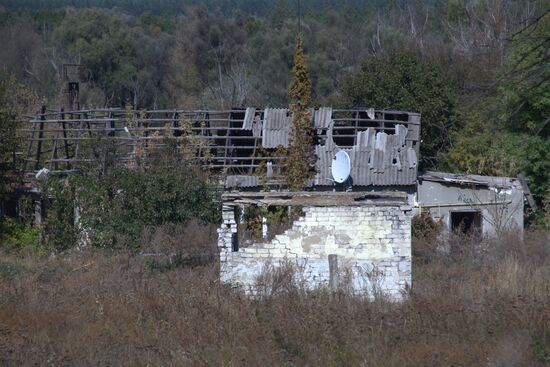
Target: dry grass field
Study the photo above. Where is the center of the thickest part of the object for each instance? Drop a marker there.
(486, 304)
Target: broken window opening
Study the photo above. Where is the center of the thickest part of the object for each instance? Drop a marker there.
(260, 224)
(466, 222)
(388, 128)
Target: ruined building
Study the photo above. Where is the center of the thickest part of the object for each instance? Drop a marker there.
(354, 234)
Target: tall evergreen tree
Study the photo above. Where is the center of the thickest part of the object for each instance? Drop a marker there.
(300, 159)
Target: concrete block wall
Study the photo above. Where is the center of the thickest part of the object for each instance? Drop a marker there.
(372, 245)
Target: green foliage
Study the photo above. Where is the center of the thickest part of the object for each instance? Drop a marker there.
(478, 149)
(171, 7)
(59, 227)
(15, 235)
(509, 133)
(15, 98)
(526, 91)
(300, 156)
(8, 143)
(541, 347)
(402, 80)
(121, 57)
(115, 208)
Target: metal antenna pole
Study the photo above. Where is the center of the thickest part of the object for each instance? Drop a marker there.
(299, 17)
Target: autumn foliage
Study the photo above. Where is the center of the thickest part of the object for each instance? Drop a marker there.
(300, 155)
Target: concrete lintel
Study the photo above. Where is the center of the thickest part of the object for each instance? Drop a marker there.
(316, 198)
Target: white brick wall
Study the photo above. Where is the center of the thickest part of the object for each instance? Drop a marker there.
(368, 240)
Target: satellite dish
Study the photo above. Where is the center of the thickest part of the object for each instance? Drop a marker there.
(341, 167)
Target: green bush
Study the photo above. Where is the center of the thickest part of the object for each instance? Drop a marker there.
(114, 208)
(401, 79)
(15, 235)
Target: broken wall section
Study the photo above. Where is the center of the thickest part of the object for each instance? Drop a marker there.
(372, 244)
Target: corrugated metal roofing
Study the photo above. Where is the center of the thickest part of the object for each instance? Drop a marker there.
(276, 127)
(322, 117)
(383, 144)
(242, 181)
(377, 159)
(460, 179)
(249, 118)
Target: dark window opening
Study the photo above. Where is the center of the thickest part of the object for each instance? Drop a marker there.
(8, 208)
(467, 222)
(234, 242)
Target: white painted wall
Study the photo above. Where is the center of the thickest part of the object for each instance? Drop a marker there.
(373, 245)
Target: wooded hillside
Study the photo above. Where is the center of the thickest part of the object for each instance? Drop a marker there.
(477, 71)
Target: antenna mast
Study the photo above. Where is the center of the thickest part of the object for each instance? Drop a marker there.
(299, 17)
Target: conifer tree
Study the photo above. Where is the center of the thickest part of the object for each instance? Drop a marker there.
(300, 155)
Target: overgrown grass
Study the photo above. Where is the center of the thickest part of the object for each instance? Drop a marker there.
(489, 306)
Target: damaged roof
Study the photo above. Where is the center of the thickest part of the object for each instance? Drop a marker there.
(382, 145)
(238, 145)
(476, 180)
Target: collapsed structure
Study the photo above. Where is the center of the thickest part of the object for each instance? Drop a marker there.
(357, 240)
(355, 234)
(481, 205)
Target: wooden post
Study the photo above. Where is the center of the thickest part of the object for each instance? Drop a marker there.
(356, 127)
(334, 277)
(77, 143)
(40, 136)
(39, 218)
(65, 143)
(175, 124)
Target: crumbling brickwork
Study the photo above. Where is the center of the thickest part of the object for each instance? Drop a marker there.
(372, 245)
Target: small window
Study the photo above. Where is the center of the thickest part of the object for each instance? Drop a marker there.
(467, 222)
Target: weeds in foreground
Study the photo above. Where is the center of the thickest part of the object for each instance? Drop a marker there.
(94, 308)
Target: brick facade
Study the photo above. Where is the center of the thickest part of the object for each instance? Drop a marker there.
(372, 245)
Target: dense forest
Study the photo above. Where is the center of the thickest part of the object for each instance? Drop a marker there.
(169, 7)
(477, 71)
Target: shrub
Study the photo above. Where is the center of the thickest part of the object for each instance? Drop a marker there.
(15, 235)
(114, 208)
(424, 227)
